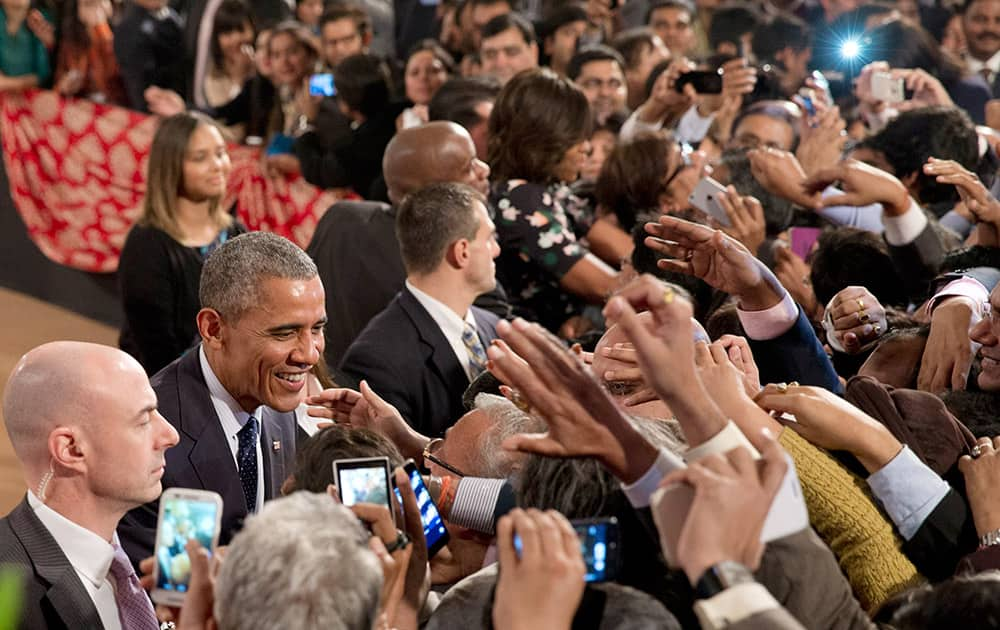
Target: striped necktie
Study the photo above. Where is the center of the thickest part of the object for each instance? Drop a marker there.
(474, 348)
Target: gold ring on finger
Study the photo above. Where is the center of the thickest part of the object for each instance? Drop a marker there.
(863, 317)
(782, 388)
(668, 295)
(861, 304)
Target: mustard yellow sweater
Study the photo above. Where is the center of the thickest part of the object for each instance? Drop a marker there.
(844, 514)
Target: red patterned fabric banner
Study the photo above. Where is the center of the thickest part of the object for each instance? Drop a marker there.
(77, 173)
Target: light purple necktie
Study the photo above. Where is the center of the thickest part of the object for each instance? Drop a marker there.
(134, 608)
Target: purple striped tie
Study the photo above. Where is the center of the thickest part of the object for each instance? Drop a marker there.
(134, 608)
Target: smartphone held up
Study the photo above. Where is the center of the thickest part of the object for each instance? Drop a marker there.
(184, 514)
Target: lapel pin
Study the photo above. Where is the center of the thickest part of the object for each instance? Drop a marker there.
(276, 445)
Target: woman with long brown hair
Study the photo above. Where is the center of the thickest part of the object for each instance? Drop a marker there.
(539, 132)
(182, 223)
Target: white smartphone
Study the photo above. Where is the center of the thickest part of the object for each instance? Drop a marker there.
(888, 89)
(364, 480)
(184, 514)
(671, 504)
(705, 198)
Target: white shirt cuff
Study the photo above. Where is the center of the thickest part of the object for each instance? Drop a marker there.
(905, 229)
(476, 503)
(962, 287)
(639, 492)
(908, 491)
(770, 323)
(733, 605)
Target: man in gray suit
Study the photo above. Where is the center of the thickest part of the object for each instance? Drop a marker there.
(83, 421)
(233, 398)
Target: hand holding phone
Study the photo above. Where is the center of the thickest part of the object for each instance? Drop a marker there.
(185, 514)
(887, 88)
(363, 480)
(322, 85)
(435, 532)
(703, 81)
(705, 197)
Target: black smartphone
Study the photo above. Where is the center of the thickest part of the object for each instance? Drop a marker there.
(435, 532)
(703, 81)
(364, 480)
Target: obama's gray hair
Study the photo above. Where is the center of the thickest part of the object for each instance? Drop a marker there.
(232, 275)
(303, 562)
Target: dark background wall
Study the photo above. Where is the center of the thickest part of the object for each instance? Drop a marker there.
(24, 268)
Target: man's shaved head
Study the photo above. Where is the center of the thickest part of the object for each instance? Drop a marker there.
(437, 152)
(55, 384)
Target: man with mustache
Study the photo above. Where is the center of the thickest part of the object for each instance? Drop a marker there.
(981, 23)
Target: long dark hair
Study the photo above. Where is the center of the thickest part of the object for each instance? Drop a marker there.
(906, 45)
(231, 16)
(538, 116)
(72, 30)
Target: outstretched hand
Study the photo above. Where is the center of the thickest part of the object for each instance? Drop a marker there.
(718, 259)
(583, 420)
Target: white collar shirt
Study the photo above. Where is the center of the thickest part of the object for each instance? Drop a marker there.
(233, 418)
(451, 325)
(90, 556)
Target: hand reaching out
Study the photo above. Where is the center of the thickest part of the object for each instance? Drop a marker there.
(981, 474)
(746, 217)
(947, 356)
(781, 174)
(858, 318)
(793, 272)
(718, 259)
(822, 141)
(831, 422)
(583, 420)
(862, 185)
(367, 410)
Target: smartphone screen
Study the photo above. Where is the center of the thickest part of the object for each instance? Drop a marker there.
(322, 85)
(434, 530)
(598, 544)
(184, 514)
(363, 481)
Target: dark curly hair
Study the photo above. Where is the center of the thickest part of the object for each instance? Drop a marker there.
(538, 116)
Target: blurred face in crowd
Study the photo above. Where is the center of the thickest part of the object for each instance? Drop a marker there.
(206, 165)
(263, 357)
(987, 333)
(460, 447)
(480, 14)
(506, 53)
(561, 45)
(759, 130)
(953, 38)
(235, 43)
(673, 26)
(679, 180)
(649, 56)
(601, 143)
(93, 12)
(982, 28)
(309, 11)
(340, 40)
(289, 60)
(603, 82)
(425, 73)
(621, 389)
(262, 53)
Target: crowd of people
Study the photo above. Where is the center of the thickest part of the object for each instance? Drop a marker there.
(717, 277)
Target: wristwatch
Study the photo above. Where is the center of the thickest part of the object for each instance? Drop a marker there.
(721, 576)
(990, 539)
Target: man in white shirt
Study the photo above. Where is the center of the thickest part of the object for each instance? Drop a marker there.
(233, 399)
(83, 421)
(981, 23)
(424, 349)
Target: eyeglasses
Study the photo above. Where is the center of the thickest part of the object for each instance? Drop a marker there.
(429, 456)
(687, 151)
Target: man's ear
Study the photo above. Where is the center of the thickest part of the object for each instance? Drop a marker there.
(210, 327)
(366, 40)
(458, 253)
(65, 449)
